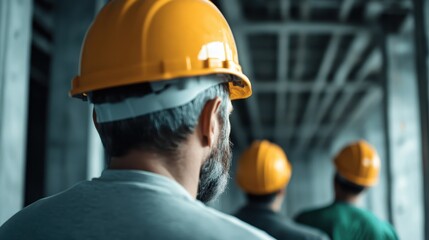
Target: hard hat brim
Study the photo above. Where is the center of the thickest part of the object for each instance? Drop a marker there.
(81, 85)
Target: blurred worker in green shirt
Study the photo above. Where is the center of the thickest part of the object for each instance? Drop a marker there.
(263, 173)
(357, 168)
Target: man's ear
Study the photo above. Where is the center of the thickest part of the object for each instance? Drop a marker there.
(209, 123)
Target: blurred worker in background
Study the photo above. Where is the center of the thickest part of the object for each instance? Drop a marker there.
(161, 75)
(263, 173)
(357, 168)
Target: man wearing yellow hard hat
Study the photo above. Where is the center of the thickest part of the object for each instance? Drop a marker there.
(357, 168)
(161, 74)
(263, 173)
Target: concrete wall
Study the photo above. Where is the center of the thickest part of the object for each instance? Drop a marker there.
(405, 140)
(15, 35)
(73, 148)
(311, 183)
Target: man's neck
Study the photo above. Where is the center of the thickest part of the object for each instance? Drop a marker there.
(275, 206)
(180, 168)
(350, 199)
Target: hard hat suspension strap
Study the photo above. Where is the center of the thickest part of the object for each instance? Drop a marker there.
(165, 95)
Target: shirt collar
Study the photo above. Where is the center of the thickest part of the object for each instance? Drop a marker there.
(145, 177)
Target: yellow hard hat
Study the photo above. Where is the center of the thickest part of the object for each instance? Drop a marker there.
(136, 41)
(263, 168)
(358, 163)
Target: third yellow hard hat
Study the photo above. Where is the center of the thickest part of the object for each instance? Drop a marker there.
(138, 41)
(263, 168)
(358, 163)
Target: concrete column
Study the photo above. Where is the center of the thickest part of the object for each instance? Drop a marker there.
(405, 142)
(15, 34)
(421, 20)
(68, 132)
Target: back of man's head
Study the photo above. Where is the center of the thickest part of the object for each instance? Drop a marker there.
(263, 172)
(345, 187)
(358, 163)
(151, 69)
(143, 62)
(264, 200)
(162, 131)
(357, 168)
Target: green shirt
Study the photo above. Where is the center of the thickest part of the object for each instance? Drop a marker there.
(346, 222)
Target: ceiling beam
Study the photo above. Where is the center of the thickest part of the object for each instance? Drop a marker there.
(302, 40)
(285, 9)
(300, 64)
(301, 87)
(41, 42)
(372, 97)
(373, 63)
(326, 65)
(39, 76)
(43, 17)
(352, 57)
(299, 27)
(284, 132)
(373, 9)
(323, 3)
(322, 76)
(345, 9)
(408, 24)
(251, 102)
(233, 13)
(282, 74)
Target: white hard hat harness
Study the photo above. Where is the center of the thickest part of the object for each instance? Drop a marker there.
(165, 95)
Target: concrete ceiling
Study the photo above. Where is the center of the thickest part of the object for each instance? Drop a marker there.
(315, 65)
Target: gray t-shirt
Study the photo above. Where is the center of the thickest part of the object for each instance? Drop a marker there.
(125, 204)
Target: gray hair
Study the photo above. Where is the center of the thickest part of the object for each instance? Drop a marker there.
(161, 131)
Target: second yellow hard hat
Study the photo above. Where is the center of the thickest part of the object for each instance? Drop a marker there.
(358, 163)
(263, 169)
